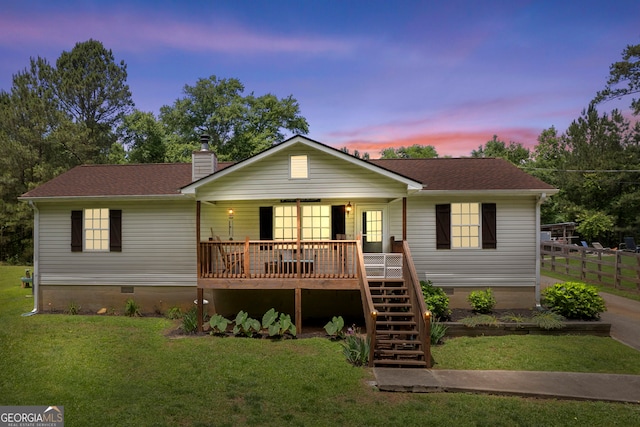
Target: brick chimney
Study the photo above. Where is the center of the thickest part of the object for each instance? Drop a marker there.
(203, 162)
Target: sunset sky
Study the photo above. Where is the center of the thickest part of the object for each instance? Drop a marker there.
(367, 74)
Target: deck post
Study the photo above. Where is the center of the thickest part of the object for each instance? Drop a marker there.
(404, 219)
(200, 308)
(298, 309)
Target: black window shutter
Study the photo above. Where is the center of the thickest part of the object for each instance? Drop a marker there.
(76, 231)
(338, 221)
(489, 240)
(443, 226)
(115, 230)
(266, 223)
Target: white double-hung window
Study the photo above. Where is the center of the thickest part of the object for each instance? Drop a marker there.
(465, 225)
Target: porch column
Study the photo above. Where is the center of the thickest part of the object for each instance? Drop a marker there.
(200, 297)
(404, 218)
(298, 309)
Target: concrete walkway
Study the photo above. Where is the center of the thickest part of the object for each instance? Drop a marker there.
(624, 316)
(622, 313)
(556, 385)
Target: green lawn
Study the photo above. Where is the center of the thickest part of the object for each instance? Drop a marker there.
(108, 370)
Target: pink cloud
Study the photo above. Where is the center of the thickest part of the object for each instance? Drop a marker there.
(135, 32)
(454, 143)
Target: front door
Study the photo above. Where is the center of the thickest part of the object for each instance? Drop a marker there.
(372, 229)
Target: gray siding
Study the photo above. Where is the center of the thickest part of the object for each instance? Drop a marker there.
(329, 177)
(511, 264)
(158, 246)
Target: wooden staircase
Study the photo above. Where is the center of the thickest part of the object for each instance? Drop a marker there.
(397, 342)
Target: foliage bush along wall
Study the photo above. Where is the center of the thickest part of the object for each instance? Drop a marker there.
(436, 300)
(482, 302)
(574, 300)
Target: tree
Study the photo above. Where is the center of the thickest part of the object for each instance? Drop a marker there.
(239, 126)
(415, 151)
(356, 153)
(594, 225)
(143, 137)
(515, 152)
(54, 118)
(91, 88)
(624, 79)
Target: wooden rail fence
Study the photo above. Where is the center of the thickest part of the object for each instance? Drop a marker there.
(618, 269)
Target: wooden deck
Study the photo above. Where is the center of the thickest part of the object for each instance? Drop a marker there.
(330, 264)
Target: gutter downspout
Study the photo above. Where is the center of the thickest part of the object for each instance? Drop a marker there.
(541, 199)
(36, 264)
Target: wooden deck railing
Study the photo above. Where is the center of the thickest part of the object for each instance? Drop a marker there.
(412, 283)
(370, 313)
(255, 259)
(618, 269)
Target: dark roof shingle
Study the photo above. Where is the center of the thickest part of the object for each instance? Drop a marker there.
(459, 174)
(116, 180)
(168, 178)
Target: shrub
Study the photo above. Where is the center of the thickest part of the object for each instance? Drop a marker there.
(574, 300)
(334, 328)
(131, 308)
(436, 300)
(356, 349)
(482, 301)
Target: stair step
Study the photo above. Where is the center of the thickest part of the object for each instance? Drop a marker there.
(392, 352)
(395, 323)
(395, 313)
(397, 342)
(380, 306)
(391, 335)
(400, 362)
(386, 289)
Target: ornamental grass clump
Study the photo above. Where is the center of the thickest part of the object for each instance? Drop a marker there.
(574, 300)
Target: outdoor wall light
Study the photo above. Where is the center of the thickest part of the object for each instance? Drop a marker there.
(348, 208)
(230, 212)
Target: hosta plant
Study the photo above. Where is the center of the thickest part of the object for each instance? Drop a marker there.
(218, 324)
(245, 325)
(334, 328)
(278, 324)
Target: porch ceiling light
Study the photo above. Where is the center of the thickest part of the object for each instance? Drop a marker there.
(348, 208)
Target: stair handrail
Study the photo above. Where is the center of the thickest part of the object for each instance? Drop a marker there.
(410, 276)
(370, 313)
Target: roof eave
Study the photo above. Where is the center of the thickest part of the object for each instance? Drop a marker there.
(503, 192)
(106, 198)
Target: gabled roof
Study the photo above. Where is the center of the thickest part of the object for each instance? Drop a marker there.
(174, 179)
(465, 174)
(411, 183)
